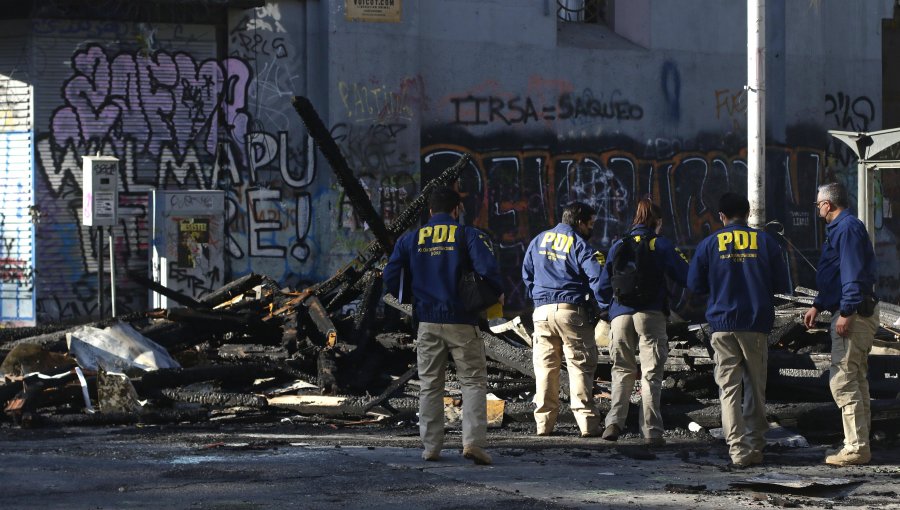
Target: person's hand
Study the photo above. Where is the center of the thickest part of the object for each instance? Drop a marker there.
(843, 325)
(809, 319)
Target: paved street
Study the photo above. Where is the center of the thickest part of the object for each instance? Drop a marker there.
(373, 468)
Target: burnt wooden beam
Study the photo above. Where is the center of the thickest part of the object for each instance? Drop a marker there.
(173, 377)
(174, 295)
(232, 289)
(369, 300)
(394, 303)
(356, 194)
(375, 251)
(414, 210)
(517, 358)
(322, 321)
(809, 417)
(393, 388)
(56, 340)
(215, 398)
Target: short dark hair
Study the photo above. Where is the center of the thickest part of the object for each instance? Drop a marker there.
(577, 212)
(734, 206)
(836, 193)
(443, 199)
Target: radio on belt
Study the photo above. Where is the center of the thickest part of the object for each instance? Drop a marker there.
(100, 191)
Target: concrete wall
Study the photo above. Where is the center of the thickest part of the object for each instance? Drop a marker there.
(551, 112)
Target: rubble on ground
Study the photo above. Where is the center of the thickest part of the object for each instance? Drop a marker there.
(337, 353)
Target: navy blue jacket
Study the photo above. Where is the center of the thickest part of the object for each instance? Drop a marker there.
(740, 268)
(847, 270)
(669, 260)
(430, 258)
(561, 267)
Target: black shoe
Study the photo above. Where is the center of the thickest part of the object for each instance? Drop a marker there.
(611, 432)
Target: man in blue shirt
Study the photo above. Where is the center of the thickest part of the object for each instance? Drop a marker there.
(639, 329)
(740, 268)
(561, 274)
(846, 281)
(429, 261)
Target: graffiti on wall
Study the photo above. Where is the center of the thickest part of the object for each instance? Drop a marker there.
(175, 122)
(732, 105)
(375, 102)
(849, 113)
(583, 107)
(515, 194)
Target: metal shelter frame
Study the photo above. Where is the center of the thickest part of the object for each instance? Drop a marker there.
(876, 151)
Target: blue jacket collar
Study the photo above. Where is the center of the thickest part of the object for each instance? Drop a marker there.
(840, 217)
(640, 227)
(441, 218)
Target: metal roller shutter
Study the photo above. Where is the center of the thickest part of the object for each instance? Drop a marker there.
(16, 197)
(117, 88)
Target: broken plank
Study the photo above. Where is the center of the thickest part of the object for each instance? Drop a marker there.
(517, 358)
(353, 189)
(391, 389)
(174, 295)
(311, 404)
(232, 289)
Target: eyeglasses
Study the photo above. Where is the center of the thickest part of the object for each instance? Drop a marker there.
(820, 202)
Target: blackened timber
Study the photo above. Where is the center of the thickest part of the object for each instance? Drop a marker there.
(393, 388)
(809, 417)
(160, 416)
(369, 300)
(517, 358)
(413, 212)
(394, 303)
(56, 340)
(215, 398)
(326, 368)
(356, 194)
(320, 318)
(213, 319)
(174, 295)
(172, 377)
(375, 251)
(232, 289)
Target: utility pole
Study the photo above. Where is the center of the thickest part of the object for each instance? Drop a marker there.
(756, 111)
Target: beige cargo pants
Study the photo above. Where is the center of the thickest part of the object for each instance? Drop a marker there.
(640, 334)
(461, 341)
(847, 378)
(564, 330)
(741, 375)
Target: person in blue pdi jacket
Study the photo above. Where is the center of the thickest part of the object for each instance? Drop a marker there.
(740, 268)
(846, 282)
(641, 330)
(561, 273)
(428, 261)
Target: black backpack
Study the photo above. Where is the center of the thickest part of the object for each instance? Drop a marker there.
(635, 276)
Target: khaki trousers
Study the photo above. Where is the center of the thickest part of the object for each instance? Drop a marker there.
(847, 378)
(462, 341)
(741, 375)
(642, 333)
(557, 332)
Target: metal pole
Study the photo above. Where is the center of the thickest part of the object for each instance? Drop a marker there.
(100, 272)
(112, 271)
(756, 111)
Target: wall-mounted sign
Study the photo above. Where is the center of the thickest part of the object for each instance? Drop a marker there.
(373, 10)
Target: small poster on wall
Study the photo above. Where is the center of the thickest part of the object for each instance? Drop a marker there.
(193, 242)
(387, 11)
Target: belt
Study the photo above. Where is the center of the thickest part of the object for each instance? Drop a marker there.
(568, 306)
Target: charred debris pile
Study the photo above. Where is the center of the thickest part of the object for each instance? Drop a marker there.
(337, 353)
